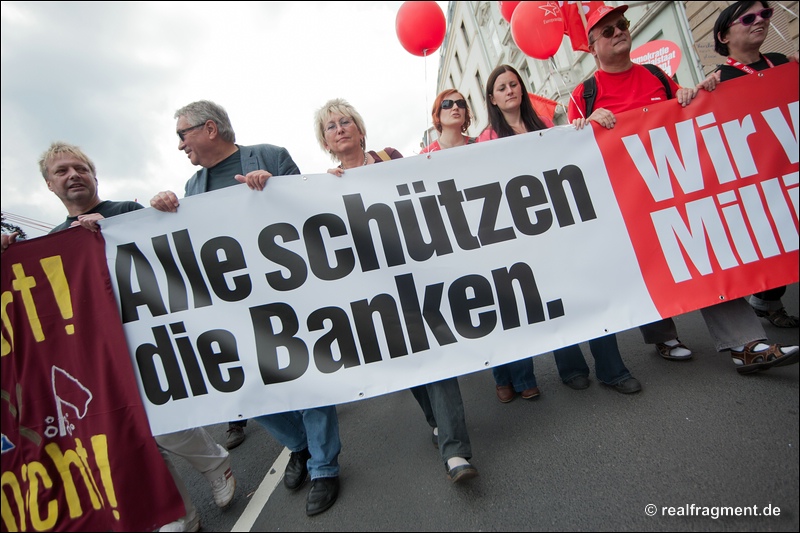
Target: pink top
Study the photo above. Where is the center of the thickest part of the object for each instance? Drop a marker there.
(488, 134)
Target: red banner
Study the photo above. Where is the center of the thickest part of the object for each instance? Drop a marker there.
(77, 451)
(719, 184)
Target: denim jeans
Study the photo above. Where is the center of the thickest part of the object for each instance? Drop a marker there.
(608, 363)
(519, 374)
(316, 429)
(443, 407)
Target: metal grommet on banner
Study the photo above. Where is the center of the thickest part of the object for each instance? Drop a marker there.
(305, 177)
(486, 363)
(721, 296)
(645, 110)
(360, 394)
(760, 74)
(428, 155)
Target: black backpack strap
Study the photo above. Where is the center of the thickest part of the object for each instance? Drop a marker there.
(658, 73)
(589, 93)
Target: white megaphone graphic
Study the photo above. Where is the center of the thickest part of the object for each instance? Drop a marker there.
(71, 393)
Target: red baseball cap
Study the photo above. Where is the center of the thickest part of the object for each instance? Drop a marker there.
(600, 14)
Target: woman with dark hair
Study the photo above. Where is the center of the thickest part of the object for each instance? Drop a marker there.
(739, 33)
(511, 113)
(509, 106)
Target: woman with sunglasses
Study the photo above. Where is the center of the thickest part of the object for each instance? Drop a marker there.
(341, 132)
(451, 118)
(739, 33)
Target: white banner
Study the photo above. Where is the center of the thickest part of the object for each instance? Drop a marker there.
(322, 290)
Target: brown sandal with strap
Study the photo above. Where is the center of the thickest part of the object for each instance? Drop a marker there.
(749, 360)
(665, 351)
(779, 318)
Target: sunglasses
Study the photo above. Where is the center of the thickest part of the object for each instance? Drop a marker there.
(182, 133)
(608, 31)
(461, 103)
(750, 18)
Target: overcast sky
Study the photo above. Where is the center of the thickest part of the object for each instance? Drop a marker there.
(109, 76)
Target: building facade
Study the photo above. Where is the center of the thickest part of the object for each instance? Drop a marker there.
(478, 39)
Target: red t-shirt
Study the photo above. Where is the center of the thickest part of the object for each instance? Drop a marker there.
(622, 91)
(435, 146)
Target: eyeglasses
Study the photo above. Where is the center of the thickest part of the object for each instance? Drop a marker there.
(182, 133)
(333, 126)
(750, 18)
(461, 103)
(608, 31)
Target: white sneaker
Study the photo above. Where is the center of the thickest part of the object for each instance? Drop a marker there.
(190, 522)
(223, 488)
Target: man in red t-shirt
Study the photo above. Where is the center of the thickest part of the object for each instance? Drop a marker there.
(622, 85)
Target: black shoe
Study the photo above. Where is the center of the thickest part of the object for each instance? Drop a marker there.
(627, 386)
(323, 494)
(579, 382)
(461, 473)
(297, 470)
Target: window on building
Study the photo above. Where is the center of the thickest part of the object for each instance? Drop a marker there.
(479, 81)
(458, 63)
(464, 33)
(525, 72)
(472, 108)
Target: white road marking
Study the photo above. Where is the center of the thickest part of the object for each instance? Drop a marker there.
(262, 494)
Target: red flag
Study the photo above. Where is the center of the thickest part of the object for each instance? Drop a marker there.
(574, 25)
(544, 107)
(78, 454)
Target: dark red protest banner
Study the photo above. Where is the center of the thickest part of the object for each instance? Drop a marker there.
(77, 451)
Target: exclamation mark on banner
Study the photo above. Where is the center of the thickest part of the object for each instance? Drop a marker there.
(54, 270)
(100, 447)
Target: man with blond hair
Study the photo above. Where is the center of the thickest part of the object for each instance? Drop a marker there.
(72, 176)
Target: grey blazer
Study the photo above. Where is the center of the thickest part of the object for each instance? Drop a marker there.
(274, 159)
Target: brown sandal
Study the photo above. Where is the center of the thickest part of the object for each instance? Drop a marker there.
(665, 351)
(779, 318)
(748, 360)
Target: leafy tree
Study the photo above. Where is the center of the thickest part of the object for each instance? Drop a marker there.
(8, 227)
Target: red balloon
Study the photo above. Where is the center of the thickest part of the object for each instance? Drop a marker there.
(420, 27)
(507, 9)
(538, 28)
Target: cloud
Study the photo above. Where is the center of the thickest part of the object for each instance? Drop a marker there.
(108, 76)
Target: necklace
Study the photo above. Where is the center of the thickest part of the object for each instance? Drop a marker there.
(361, 165)
(444, 146)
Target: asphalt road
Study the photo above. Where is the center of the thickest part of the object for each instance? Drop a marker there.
(699, 434)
